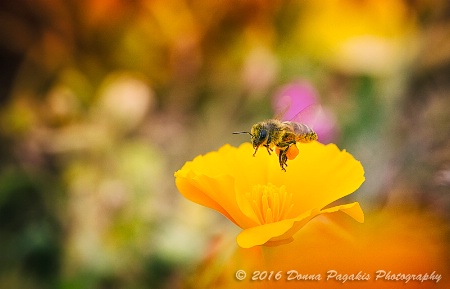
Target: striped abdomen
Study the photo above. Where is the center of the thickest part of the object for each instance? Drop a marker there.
(303, 133)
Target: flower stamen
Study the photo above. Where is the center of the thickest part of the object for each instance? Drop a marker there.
(270, 203)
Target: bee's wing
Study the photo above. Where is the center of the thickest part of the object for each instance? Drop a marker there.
(295, 102)
(292, 109)
(308, 115)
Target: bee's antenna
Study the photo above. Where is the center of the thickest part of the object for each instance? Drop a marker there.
(241, 132)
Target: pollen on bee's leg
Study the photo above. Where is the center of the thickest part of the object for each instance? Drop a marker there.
(292, 152)
(277, 151)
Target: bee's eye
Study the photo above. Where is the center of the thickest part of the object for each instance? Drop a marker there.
(263, 134)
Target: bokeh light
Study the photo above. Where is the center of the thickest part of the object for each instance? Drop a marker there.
(102, 101)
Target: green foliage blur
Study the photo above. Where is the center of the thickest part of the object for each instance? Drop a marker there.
(102, 101)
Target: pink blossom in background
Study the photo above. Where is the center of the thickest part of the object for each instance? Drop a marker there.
(298, 101)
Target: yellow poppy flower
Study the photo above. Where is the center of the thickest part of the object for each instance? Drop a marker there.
(271, 205)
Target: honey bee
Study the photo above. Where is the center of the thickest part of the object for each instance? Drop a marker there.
(283, 135)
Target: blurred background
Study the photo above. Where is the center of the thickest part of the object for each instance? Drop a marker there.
(102, 101)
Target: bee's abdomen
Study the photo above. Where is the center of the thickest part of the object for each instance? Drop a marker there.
(303, 132)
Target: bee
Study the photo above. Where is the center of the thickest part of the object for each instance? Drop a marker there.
(283, 135)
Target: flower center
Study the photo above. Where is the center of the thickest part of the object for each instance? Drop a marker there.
(270, 203)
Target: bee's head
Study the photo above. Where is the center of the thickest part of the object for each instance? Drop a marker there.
(259, 135)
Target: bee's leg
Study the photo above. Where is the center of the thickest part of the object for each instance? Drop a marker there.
(282, 158)
(287, 144)
(269, 150)
(256, 149)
